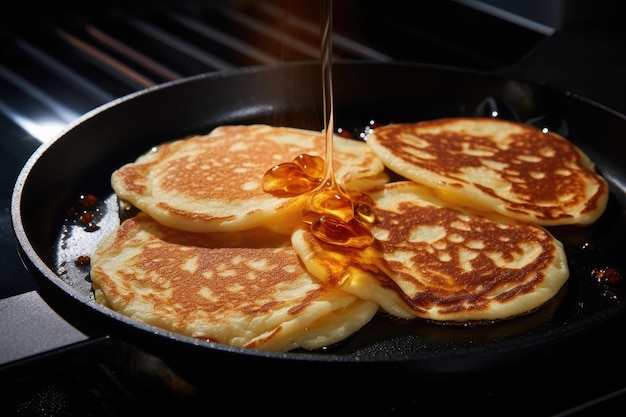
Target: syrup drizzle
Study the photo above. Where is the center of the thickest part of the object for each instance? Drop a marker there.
(329, 209)
(335, 216)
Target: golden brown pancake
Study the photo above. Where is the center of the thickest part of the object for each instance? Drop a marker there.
(496, 165)
(440, 263)
(213, 182)
(245, 289)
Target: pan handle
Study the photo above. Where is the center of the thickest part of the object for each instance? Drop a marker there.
(30, 327)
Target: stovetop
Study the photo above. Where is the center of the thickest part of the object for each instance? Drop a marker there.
(56, 65)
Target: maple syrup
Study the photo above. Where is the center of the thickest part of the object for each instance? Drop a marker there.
(331, 211)
(301, 175)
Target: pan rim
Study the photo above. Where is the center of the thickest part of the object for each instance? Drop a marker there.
(49, 275)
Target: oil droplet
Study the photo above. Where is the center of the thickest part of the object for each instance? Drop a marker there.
(607, 275)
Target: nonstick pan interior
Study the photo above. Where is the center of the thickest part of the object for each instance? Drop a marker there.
(81, 160)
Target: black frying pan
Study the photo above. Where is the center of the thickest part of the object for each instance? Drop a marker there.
(81, 160)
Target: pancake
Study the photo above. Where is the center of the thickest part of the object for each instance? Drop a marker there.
(213, 182)
(245, 289)
(496, 165)
(440, 263)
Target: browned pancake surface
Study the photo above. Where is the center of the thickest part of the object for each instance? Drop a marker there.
(441, 263)
(244, 289)
(213, 182)
(490, 164)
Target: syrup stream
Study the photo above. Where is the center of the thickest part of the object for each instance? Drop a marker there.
(329, 209)
(329, 198)
(327, 88)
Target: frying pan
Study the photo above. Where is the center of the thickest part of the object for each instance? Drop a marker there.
(81, 159)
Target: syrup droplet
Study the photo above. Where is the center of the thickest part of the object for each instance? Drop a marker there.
(294, 178)
(363, 207)
(328, 200)
(333, 230)
(313, 166)
(333, 215)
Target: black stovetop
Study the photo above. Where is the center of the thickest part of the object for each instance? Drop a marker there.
(56, 65)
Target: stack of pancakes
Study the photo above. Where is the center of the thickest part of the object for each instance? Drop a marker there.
(460, 238)
(210, 256)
